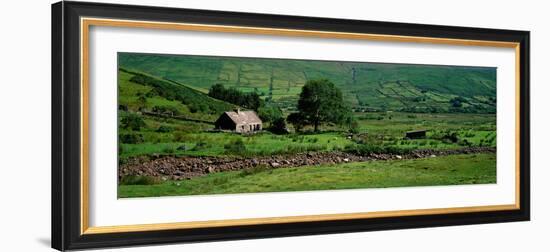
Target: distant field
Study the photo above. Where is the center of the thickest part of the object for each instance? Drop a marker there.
(398, 87)
(448, 170)
(477, 129)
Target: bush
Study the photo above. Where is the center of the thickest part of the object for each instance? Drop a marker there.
(235, 147)
(465, 142)
(446, 136)
(469, 133)
(154, 138)
(166, 109)
(200, 107)
(419, 99)
(450, 137)
(193, 108)
(297, 138)
(456, 102)
(180, 136)
(132, 121)
(313, 140)
(279, 126)
(168, 149)
(138, 180)
(131, 138)
(164, 129)
(269, 113)
(200, 145)
(354, 127)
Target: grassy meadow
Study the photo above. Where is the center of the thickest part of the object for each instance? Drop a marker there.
(449, 170)
(165, 109)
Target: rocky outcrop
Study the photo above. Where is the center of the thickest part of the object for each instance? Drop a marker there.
(178, 168)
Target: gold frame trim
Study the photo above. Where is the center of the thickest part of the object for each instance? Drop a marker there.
(85, 24)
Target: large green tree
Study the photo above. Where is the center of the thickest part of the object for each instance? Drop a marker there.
(322, 102)
(269, 113)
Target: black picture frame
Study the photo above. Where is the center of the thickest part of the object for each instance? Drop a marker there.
(66, 114)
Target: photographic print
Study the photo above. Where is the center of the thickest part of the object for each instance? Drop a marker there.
(185, 125)
(196, 124)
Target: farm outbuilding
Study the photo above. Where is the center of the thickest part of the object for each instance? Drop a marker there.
(239, 121)
(415, 134)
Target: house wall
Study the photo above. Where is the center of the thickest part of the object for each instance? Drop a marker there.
(224, 123)
(245, 128)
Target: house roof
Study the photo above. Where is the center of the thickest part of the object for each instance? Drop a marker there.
(416, 131)
(243, 117)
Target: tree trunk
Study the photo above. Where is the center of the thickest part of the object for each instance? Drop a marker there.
(317, 119)
(316, 126)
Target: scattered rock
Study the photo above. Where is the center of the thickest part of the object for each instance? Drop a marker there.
(188, 167)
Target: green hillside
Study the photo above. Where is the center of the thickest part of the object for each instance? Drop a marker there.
(139, 91)
(366, 86)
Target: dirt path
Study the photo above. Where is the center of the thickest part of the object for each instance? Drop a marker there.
(178, 168)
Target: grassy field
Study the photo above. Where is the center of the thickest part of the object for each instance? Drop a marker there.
(190, 138)
(447, 170)
(263, 144)
(470, 129)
